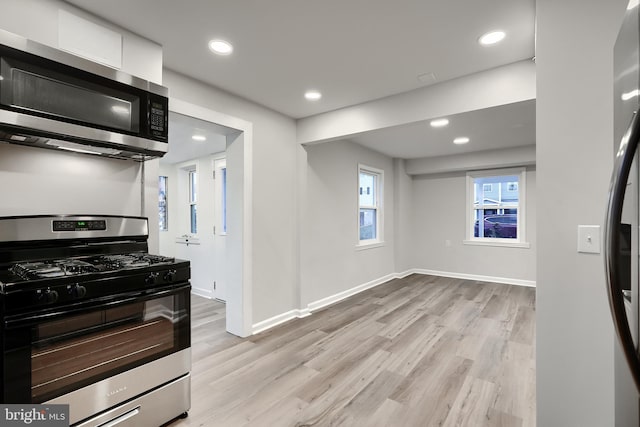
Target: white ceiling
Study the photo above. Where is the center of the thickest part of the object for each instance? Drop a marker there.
(505, 126)
(351, 50)
(183, 147)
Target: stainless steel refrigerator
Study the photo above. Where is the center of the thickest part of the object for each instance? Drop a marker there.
(621, 232)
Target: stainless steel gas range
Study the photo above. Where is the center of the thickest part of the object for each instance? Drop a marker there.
(89, 318)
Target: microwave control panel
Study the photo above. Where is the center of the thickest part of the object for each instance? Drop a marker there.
(158, 117)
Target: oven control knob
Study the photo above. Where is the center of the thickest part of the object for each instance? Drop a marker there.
(77, 291)
(151, 278)
(170, 276)
(48, 296)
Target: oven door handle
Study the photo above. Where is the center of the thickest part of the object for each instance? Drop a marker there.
(21, 320)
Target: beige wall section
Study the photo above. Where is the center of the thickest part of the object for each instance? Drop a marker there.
(574, 113)
(274, 209)
(331, 262)
(438, 231)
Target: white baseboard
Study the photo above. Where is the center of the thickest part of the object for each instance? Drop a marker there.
(476, 277)
(313, 306)
(280, 318)
(206, 293)
(332, 299)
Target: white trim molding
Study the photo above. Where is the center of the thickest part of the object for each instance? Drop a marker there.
(279, 319)
(240, 242)
(476, 277)
(202, 292)
(521, 240)
(321, 303)
(332, 299)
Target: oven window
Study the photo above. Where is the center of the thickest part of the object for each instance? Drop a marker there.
(77, 350)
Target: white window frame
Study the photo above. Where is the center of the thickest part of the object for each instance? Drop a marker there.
(193, 196)
(379, 207)
(166, 202)
(221, 199)
(521, 241)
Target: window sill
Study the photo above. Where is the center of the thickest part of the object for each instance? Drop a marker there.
(372, 245)
(501, 243)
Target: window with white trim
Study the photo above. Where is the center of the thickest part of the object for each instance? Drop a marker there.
(223, 214)
(163, 220)
(370, 182)
(193, 180)
(496, 207)
(220, 196)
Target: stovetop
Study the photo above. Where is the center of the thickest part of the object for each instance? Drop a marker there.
(85, 265)
(49, 262)
(52, 284)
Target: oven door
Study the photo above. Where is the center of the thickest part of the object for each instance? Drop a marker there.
(48, 355)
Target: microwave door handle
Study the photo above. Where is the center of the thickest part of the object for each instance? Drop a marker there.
(613, 220)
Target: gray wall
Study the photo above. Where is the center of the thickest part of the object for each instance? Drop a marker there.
(403, 216)
(574, 138)
(331, 262)
(439, 205)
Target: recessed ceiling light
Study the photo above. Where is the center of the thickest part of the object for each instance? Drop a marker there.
(628, 95)
(438, 123)
(220, 47)
(312, 95)
(492, 37)
(632, 4)
(461, 140)
(199, 138)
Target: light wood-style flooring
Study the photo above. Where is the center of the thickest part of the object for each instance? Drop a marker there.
(417, 351)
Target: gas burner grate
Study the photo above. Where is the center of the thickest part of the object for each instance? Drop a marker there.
(73, 266)
(55, 268)
(134, 260)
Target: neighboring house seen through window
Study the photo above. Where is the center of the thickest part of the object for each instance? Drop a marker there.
(495, 207)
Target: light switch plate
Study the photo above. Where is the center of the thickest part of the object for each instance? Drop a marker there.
(589, 239)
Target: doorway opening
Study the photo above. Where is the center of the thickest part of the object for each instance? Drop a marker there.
(203, 209)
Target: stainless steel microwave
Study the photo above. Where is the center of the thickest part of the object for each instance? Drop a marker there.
(53, 99)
